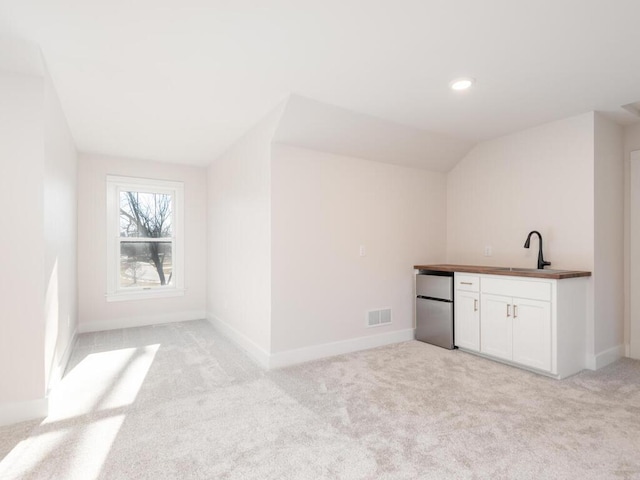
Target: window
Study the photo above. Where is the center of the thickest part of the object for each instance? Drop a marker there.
(145, 244)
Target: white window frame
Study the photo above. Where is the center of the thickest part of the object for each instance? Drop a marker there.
(117, 184)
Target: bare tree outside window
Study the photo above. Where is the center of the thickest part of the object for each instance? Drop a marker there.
(146, 255)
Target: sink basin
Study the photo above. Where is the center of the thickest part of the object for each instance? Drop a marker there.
(524, 270)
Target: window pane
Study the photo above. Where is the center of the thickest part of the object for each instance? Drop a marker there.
(145, 264)
(145, 214)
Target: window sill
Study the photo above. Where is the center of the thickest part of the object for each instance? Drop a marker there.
(144, 294)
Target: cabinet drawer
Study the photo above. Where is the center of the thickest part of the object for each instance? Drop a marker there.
(517, 288)
(468, 283)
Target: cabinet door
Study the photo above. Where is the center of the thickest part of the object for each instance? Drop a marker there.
(467, 320)
(496, 326)
(532, 333)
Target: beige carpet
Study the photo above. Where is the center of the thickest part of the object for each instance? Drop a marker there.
(180, 401)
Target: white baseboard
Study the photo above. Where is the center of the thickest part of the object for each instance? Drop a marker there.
(245, 343)
(605, 358)
(315, 352)
(306, 354)
(140, 321)
(17, 412)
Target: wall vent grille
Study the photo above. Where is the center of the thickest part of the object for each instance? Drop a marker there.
(376, 318)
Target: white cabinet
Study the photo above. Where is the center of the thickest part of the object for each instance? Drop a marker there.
(467, 320)
(532, 333)
(537, 320)
(497, 328)
(517, 329)
(467, 312)
(531, 322)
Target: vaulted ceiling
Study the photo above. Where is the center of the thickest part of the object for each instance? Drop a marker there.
(180, 80)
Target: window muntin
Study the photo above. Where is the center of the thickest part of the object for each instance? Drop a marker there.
(145, 230)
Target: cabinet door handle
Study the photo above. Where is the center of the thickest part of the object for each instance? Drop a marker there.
(515, 311)
(475, 305)
(466, 283)
(508, 310)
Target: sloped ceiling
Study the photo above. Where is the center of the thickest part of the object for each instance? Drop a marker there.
(320, 126)
(181, 80)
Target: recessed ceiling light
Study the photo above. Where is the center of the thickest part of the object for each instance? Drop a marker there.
(461, 83)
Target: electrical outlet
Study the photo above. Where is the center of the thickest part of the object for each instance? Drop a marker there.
(363, 250)
(487, 251)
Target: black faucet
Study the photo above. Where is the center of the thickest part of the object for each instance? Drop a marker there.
(541, 262)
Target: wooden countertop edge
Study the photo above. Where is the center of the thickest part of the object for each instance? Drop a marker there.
(554, 275)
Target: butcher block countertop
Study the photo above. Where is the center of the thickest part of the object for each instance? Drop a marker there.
(508, 271)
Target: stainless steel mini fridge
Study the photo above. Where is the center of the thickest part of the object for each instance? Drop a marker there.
(434, 308)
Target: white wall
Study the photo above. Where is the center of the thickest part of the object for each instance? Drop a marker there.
(60, 234)
(324, 207)
(239, 219)
(37, 250)
(609, 239)
(22, 361)
(94, 312)
(538, 179)
(566, 180)
(631, 141)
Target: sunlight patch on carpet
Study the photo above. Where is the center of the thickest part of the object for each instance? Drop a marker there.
(103, 380)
